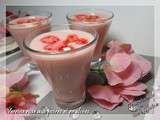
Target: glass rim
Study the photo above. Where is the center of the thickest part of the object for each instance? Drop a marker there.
(90, 10)
(61, 53)
(48, 16)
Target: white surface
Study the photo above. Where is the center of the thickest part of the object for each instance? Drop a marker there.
(133, 24)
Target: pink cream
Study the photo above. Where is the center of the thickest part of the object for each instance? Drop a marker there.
(66, 63)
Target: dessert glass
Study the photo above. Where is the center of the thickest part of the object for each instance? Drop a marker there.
(66, 71)
(101, 24)
(20, 30)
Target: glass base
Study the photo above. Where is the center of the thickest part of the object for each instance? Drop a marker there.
(32, 66)
(96, 62)
(72, 104)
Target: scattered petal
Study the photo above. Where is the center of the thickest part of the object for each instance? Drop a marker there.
(20, 100)
(128, 98)
(112, 51)
(136, 86)
(127, 48)
(19, 77)
(104, 93)
(105, 104)
(131, 74)
(144, 64)
(112, 78)
(120, 62)
(132, 92)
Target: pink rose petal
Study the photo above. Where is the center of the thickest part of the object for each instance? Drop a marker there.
(30, 106)
(112, 51)
(132, 92)
(120, 62)
(127, 48)
(105, 93)
(113, 79)
(22, 84)
(18, 79)
(105, 104)
(144, 64)
(128, 98)
(136, 86)
(113, 43)
(131, 75)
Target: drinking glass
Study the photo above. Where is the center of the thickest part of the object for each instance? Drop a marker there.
(66, 71)
(20, 31)
(101, 25)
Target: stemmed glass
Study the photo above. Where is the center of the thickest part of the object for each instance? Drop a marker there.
(66, 71)
(26, 22)
(100, 20)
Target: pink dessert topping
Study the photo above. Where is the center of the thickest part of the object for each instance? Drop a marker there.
(54, 44)
(86, 17)
(50, 39)
(30, 20)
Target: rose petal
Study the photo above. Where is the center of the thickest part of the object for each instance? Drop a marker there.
(29, 106)
(131, 75)
(105, 104)
(144, 64)
(112, 78)
(128, 98)
(31, 98)
(133, 92)
(15, 77)
(120, 62)
(112, 51)
(125, 47)
(22, 84)
(105, 93)
(136, 86)
(113, 43)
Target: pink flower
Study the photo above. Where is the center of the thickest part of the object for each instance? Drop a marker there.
(124, 66)
(109, 97)
(123, 70)
(17, 77)
(20, 100)
(17, 80)
(4, 112)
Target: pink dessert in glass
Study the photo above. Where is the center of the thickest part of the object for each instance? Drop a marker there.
(21, 27)
(63, 56)
(92, 19)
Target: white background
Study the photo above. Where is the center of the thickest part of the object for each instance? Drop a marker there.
(133, 24)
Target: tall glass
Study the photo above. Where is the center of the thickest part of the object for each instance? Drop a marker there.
(20, 27)
(101, 25)
(65, 71)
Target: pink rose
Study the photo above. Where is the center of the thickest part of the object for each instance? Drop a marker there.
(123, 69)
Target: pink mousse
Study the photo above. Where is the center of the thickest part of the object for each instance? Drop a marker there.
(20, 28)
(97, 21)
(64, 57)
